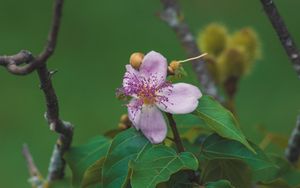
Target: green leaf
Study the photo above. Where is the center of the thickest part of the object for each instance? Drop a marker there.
(93, 174)
(219, 184)
(80, 158)
(181, 179)
(216, 147)
(126, 146)
(235, 171)
(157, 164)
(220, 120)
(285, 176)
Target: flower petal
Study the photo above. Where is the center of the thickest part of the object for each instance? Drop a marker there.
(153, 124)
(182, 98)
(130, 75)
(154, 65)
(134, 112)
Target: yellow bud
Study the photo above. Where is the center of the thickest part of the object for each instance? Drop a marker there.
(125, 123)
(233, 62)
(122, 126)
(213, 39)
(247, 38)
(174, 65)
(170, 71)
(124, 118)
(136, 60)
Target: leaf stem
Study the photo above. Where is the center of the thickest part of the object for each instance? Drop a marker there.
(175, 132)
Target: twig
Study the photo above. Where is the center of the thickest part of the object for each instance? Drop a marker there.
(173, 17)
(33, 170)
(14, 64)
(36, 178)
(292, 151)
(175, 132)
(286, 39)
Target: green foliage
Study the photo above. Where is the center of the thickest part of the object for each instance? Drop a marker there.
(216, 147)
(220, 120)
(83, 157)
(285, 176)
(126, 146)
(226, 158)
(93, 175)
(235, 171)
(157, 164)
(219, 184)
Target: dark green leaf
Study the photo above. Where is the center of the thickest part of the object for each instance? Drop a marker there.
(220, 120)
(157, 164)
(126, 146)
(80, 158)
(235, 171)
(219, 184)
(216, 147)
(182, 179)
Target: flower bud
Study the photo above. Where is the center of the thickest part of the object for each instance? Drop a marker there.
(125, 123)
(233, 62)
(213, 39)
(136, 60)
(247, 38)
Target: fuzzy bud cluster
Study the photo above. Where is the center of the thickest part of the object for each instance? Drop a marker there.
(230, 55)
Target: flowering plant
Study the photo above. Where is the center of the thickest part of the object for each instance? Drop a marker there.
(206, 143)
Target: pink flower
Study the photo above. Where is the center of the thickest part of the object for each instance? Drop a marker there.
(151, 93)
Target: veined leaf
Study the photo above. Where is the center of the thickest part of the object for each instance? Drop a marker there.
(126, 146)
(220, 120)
(216, 147)
(157, 164)
(80, 158)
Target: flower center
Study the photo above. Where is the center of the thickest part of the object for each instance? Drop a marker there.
(147, 90)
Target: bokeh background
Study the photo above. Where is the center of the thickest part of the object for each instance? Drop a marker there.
(95, 42)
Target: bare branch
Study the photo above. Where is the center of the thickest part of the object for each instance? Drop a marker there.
(13, 63)
(285, 38)
(292, 152)
(173, 17)
(24, 63)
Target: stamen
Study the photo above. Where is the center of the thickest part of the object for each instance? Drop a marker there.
(193, 58)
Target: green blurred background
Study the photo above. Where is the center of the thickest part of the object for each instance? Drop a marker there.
(95, 42)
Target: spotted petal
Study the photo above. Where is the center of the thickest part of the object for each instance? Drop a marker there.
(182, 99)
(154, 66)
(134, 112)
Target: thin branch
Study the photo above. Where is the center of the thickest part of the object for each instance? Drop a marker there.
(292, 152)
(285, 38)
(173, 17)
(175, 132)
(33, 170)
(15, 65)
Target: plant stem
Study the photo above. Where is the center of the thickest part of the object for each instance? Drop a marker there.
(175, 132)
